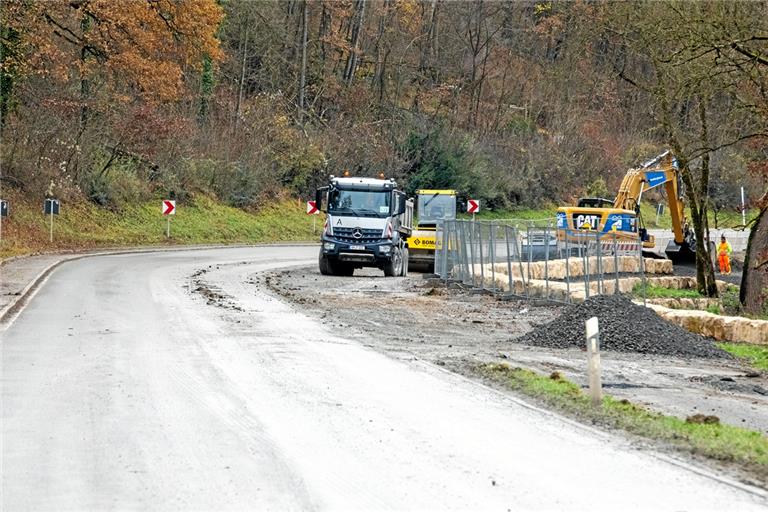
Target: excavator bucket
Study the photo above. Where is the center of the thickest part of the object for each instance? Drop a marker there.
(683, 253)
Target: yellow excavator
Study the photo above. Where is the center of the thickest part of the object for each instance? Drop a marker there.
(621, 217)
(432, 207)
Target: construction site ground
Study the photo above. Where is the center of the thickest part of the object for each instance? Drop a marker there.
(418, 317)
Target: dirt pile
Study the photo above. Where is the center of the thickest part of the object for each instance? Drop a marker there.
(624, 327)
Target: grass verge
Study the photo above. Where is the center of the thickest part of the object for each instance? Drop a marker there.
(755, 355)
(655, 292)
(702, 435)
(201, 220)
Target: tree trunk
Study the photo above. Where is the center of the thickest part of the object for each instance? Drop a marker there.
(241, 83)
(303, 73)
(357, 26)
(754, 278)
(85, 85)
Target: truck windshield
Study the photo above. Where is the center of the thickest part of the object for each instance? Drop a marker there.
(364, 203)
(434, 207)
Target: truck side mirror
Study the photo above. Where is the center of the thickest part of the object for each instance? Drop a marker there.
(321, 196)
(400, 202)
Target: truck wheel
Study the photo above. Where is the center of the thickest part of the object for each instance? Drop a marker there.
(326, 268)
(394, 267)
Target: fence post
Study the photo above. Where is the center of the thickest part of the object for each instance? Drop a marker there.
(446, 247)
(546, 262)
(518, 252)
(599, 263)
(616, 263)
(480, 249)
(509, 259)
(472, 250)
(567, 269)
(586, 266)
(530, 254)
(641, 266)
(492, 250)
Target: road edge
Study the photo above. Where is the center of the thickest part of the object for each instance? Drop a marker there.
(10, 311)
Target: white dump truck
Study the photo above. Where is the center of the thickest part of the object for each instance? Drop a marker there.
(368, 224)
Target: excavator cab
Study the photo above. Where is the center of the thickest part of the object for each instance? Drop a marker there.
(595, 202)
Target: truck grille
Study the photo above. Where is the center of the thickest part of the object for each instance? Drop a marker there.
(365, 235)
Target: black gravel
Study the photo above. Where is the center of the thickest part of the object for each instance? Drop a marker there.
(624, 327)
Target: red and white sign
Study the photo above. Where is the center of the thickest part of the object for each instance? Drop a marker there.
(312, 208)
(473, 206)
(169, 207)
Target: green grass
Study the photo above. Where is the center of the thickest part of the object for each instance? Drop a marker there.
(714, 309)
(657, 292)
(726, 219)
(83, 225)
(755, 355)
(714, 440)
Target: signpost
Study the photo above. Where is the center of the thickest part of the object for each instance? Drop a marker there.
(169, 208)
(51, 207)
(3, 213)
(473, 207)
(312, 210)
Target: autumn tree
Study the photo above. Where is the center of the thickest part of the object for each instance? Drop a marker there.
(96, 61)
(667, 54)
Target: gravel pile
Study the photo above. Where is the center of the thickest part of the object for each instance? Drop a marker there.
(624, 327)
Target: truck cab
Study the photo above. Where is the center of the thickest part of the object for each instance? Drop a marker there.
(367, 225)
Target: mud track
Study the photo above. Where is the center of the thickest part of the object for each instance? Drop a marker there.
(456, 328)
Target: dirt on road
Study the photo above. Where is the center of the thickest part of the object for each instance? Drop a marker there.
(415, 317)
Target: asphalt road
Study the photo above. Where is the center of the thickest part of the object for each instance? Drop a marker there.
(123, 389)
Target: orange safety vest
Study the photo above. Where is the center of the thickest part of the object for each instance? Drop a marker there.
(724, 248)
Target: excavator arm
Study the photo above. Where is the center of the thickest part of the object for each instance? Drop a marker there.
(662, 170)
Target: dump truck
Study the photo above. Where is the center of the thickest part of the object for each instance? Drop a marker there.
(433, 208)
(621, 217)
(368, 223)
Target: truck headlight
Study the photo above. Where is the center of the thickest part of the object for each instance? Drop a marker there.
(385, 248)
(329, 246)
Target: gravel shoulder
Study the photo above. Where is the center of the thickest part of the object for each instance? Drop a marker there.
(419, 318)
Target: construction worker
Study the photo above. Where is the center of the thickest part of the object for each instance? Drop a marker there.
(724, 251)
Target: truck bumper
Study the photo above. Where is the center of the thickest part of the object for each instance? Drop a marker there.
(368, 255)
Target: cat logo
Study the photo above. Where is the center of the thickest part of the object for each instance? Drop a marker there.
(587, 221)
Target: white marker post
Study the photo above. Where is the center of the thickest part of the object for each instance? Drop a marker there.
(593, 362)
(3, 213)
(473, 206)
(51, 207)
(313, 210)
(743, 209)
(169, 208)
